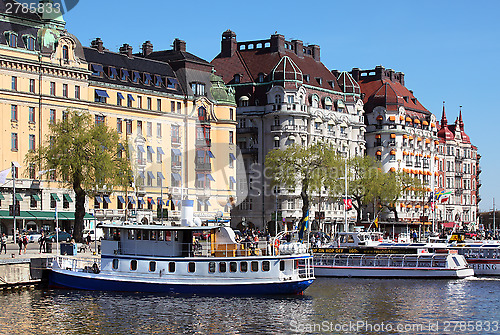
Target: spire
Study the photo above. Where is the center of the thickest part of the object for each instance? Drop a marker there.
(460, 121)
(444, 122)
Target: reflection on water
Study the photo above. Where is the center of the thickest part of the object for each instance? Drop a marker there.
(328, 300)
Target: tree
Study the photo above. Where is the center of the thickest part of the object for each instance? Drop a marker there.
(304, 166)
(86, 156)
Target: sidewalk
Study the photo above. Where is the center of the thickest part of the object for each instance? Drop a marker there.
(32, 251)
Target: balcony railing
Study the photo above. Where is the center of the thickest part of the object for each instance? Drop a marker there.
(176, 165)
(202, 142)
(176, 140)
(204, 166)
(289, 127)
(249, 151)
(247, 130)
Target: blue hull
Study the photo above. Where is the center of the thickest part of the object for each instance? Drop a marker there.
(67, 281)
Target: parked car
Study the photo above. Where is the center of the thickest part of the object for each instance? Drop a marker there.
(62, 236)
(94, 235)
(33, 236)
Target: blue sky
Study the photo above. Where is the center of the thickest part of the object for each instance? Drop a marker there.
(448, 50)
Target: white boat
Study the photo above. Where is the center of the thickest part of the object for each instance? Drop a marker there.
(398, 265)
(158, 258)
(484, 258)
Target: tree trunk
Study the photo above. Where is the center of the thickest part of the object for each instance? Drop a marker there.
(79, 208)
(358, 209)
(393, 209)
(305, 199)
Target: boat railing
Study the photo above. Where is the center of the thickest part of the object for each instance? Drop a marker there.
(91, 264)
(382, 260)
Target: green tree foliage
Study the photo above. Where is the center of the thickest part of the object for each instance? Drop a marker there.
(85, 156)
(307, 167)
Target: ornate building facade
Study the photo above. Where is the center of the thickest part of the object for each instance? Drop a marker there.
(285, 95)
(178, 118)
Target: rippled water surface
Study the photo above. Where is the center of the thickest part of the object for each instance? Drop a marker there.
(350, 306)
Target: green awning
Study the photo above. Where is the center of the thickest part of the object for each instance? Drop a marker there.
(43, 215)
(24, 215)
(1, 197)
(67, 197)
(55, 197)
(36, 197)
(19, 197)
(71, 216)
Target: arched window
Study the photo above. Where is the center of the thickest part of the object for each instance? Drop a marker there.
(65, 52)
(30, 43)
(277, 99)
(315, 101)
(260, 78)
(237, 78)
(13, 40)
(202, 114)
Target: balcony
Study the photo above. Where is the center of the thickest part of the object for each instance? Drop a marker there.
(249, 151)
(459, 159)
(204, 166)
(202, 142)
(459, 191)
(176, 165)
(247, 130)
(289, 128)
(176, 140)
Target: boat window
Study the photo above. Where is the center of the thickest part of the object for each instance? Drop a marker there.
(152, 235)
(361, 237)
(161, 235)
(138, 235)
(171, 267)
(350, 239)
(168, 236)
(131, 234)
(222, 267)
(255, 266)
(265, 266)
(191, 267)
(176, 236)
(133, 265)
(211, 267)
(243, 266)
(233, 267)
(282, 265)
(296, 265)
(457, 263)
(145, 235)
(115, 264)
(152, 266)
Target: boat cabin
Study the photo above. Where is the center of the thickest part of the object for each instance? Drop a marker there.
(355, 239)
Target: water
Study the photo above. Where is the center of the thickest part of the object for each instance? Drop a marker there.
(327, 306)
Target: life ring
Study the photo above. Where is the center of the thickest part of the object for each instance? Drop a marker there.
(276, 246)
(95, 268)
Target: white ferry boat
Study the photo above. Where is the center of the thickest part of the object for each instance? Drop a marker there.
(484, 258)
(158, 258)
(365, 254)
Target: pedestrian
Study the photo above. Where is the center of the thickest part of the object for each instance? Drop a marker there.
(20, 243)
(89, 239)
(25, 242)
(3, 244)
(41, 242)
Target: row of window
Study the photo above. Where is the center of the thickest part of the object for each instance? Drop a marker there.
(13, 39)
(52, 84)
(213, 267)
(35, 199)
(135, 77)
(14, 142)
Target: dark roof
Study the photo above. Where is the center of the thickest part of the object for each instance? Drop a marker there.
(174, 55)
(122, 61)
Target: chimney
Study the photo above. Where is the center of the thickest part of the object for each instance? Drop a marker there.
(402, 78)
(126, 49)
(379, 71)
(298, 46)
(315, 52)
(179, 45)
(97, 44)
(391, 74)
(277, 43)
(355, 73)
(336, 73)
(147, 48)
(228, 44)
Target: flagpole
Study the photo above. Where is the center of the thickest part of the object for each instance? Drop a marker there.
(14, 199)
(345, 202)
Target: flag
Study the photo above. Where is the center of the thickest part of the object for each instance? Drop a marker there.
(303, 226)
(347, 204)
(376, 222)
(3, 175)
(445, 197)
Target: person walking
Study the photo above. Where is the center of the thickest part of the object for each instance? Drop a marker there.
(25, 242)
(3, 243)
(41, 242)
(20, 243)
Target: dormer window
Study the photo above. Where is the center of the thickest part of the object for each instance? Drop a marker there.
(291, 99)
(332, 83)
(135, 77)
(237, 78)
(11, 38)
(147, 79)
(406, 99)
(171, 82)
(315, 101)
(260, 78)
(65, 52)
(244, 101)
(277, 99)
(198, 88)
(158, 81)
(125, 75)
(319, 80)
(97, 70)
(328, 103)
(29, 41)
(306, 78)
(113, 74)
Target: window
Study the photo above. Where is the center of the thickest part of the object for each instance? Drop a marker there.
(130, 99)
(139, 127)
(135, 77)
(14, 144)
(237, 78)
(277, 99)
(222, 267)
(191, 267)
(32, 142)
(172, 106)
(198, 88)
(260, 78)
(13, 40)
(133, 265)
(158, 130)
(65, 90)
(52, 116)
(211, 267)
(149, 129)
(179, 108)
(100, 119)
(266, 266)
(175, 134)
(139, 101)
(113, 73)
(158, 105)
(243, 267)
(65, 52)
(77, 92)
(31, 114)
(149, 103)
(231, 137)
(30, 44)
(231, 114)
(152, 266)
(13, 112)
(115, 264)
(291, 99)
(32, 85)
(119, 99)
(202, 114)
(171, 267)
(119, 126)
(255, 266)
(14, 84)
(147, 79)
(233, 266)
(231, 160)
(129, 127)
(282, 265)
(52, 88)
